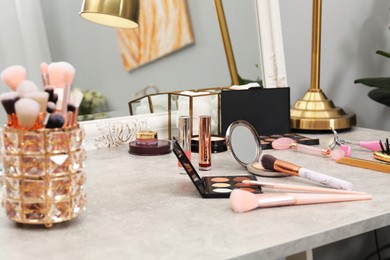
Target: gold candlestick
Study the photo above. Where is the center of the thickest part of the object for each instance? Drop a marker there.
(314, 111)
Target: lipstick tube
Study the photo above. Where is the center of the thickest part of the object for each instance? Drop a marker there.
(204, 143)
(184, 139)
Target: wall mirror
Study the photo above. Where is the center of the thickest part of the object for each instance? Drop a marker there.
(93, 49)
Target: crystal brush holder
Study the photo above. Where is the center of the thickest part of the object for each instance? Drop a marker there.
(43, 175)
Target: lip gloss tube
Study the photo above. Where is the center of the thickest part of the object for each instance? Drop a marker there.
(184, 126)
(204, 143)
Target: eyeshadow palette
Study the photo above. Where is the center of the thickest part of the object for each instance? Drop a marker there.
(213, 186)
(266, 141)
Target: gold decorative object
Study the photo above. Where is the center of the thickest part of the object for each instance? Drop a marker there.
(43, 175)
(226, 42)
(114, 13)
(314, 111)
(169, 102)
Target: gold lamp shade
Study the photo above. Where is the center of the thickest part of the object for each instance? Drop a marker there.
(114, 13)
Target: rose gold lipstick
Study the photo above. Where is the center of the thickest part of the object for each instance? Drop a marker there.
(204, 143)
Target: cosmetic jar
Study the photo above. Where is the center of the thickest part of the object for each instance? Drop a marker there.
(146, 137)
(146, 143)
(218, 144)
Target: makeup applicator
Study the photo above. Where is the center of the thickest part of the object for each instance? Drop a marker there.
(242, 201)
(13, 76)
(45, 74)
(286, 143)
(42, 98)
(269, 162)
(27, 111)
(76, 98)
(8, 100)
(25, 87)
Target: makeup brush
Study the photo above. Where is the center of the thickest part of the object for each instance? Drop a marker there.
(25, 87)
(269, 162)
(45, 74)
(27, 111)
(69, 120)
(283, 186)
(56, 74)
(8, 100)
(76, 98)
(50, 91)
(56, 120)
(242, 201)
(51, 107)
(286, 143)
(13, 76)
(68, 78)
(42, 98)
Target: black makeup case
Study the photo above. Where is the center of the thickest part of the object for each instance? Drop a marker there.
(267, 109)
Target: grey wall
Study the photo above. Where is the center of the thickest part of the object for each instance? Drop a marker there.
(93, 50)
(351, 33)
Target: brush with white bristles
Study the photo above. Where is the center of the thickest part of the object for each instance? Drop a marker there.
(25, 87)
(68, 79)
(76, 99)
(242, 201)
(13, 76)
(42, 98)
(27, 111)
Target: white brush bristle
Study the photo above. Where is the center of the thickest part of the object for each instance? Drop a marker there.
(13, 76)
(26, 87)
(27, 111)
(41, 97)
(76, 97)
(243, 201)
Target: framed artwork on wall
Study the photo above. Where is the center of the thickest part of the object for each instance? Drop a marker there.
(164, 27)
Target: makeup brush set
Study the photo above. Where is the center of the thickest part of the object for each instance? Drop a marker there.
(54, 106)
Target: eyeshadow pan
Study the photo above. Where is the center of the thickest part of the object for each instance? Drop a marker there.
(222, 190)
(221, 185)
(240, 184)
(240, 178)
(248, 189)
(219, 179)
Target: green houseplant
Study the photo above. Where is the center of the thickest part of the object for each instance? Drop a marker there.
(381, 91)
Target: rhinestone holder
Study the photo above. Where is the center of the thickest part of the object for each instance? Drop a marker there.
(43, 175)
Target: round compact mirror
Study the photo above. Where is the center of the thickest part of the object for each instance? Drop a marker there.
(243, 142)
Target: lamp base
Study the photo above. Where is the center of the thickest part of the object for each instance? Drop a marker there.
(315, 112)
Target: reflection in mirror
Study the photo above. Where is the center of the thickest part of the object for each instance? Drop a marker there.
(243, 142)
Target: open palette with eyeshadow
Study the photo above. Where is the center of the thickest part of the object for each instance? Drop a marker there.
(213, 186)
(266, 140)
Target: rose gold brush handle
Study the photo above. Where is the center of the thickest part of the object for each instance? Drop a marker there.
(288, 199)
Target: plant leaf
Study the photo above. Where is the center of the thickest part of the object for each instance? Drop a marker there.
(383, 53)
(381, 96)
(375, 82)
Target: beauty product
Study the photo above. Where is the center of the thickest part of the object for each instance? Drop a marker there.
(384, 153)
(13, 76)
(271, 163)
(8, 101)
(243, 201)
(218, 144)
(284, 186)
(366, 164)
(370, 145)
(184, 132)
(266, 140)
(147, 143)
(146, 137)
(214, 186)
(27, 111)
(283, 143)
(204, 143)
